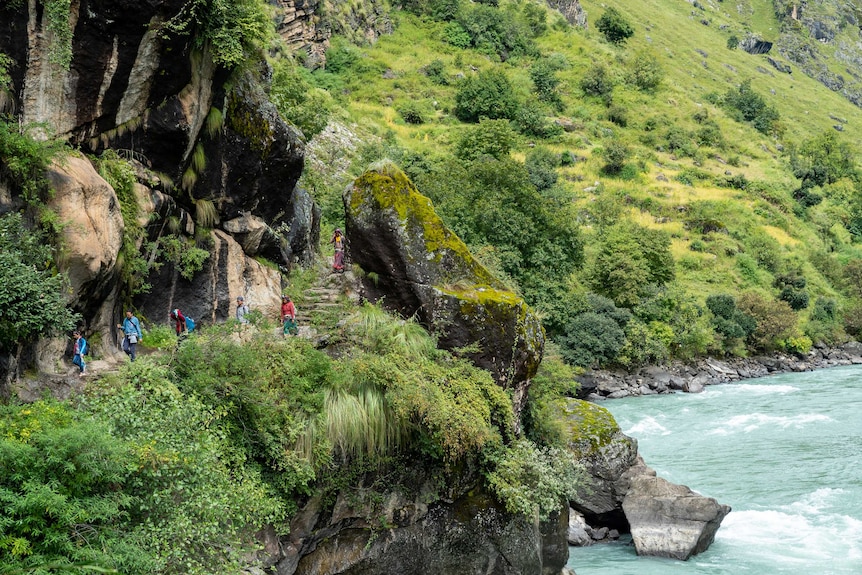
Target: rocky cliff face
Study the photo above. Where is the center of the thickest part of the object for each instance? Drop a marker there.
(213, 153)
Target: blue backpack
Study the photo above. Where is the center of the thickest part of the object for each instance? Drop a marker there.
(84, 347)
(190, 324)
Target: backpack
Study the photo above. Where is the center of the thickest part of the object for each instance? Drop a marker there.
(190, 324)
(84, 347)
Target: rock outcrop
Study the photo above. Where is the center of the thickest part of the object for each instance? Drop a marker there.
(420, 532)
(621, 493)
(419, 268)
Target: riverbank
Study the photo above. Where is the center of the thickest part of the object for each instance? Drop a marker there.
(692, 377)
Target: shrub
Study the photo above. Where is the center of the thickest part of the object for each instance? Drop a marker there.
(792, 290)
(618, 115)
(496, 32)
(615, 154)
(728, 321)
(533, 481)
(455, 34)
(596, 81)
(297, 101)
(63, 492)
(412, 112)
(614, 26)
(491, 137)
(710, 135)
(775, 320)
(445, 10)
(554, 380)
(32, 300)
(645, 71)
(530, 121)
(748, 106)
(542, 165)
(24, 160)
(488, 94)
(594, 337)
(545, 81)
(436, 72)
(732, 42)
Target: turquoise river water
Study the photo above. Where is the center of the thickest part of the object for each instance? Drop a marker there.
(785, 452)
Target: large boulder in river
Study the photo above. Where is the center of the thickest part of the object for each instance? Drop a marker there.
(669, 520)
(416, 266)
(607, 454)
(619, 491)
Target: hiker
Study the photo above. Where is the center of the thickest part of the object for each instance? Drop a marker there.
(79, 352)
(241, 310)
(131, 334)
(288, 316)
(180, 321)
(337, 242)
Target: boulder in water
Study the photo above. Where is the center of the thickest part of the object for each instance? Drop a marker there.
(669, 520)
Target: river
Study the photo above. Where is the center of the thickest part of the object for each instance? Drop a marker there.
(785, 452)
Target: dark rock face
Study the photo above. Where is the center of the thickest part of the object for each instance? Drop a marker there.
(470, 535)
(754, 45)
(420, 268)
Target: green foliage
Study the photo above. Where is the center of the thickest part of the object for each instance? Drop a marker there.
(531, 480)
(58, 25)
(615, 155)
(32, 301)
(732, 42)
(792, 290)
(62, 492)
(413, 112)
(542, 166)
(493, 138)
(595, 336)
(540, 417)
(182, 253)
(436, 72)
(614, 26)
(5, 79)
(121, 176)
(733, 324)
(23, 161)
(596, 81)
(775, 320)
(545, 82)
(297, 100)
(455, 34)
(629, 258)
(495, 32)
(199, 500)
(645, 71)
(748, 106)
(230, 28)
(488, 94)
(823, 160)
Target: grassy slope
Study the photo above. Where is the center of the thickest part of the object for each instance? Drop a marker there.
(696, 61)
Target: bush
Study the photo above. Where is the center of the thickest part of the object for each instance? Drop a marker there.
(436, 72)
(496, 32)
(297, 101)
(775, 320)
(32, 300)
(615, 154)
(645, 71)
(732, 42)
(542, 165)
(596, 81)
(618, 115)
(491, 137)
(749, 106)
(412, 112)
(594, 337)
(530, 121)
(545, 81)
(455, 34)
(614, 27)
(730, 322)
(488, 94)
(63, 492)
(24, 160)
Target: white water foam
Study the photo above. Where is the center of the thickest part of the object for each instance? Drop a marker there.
(647, 427)
(750, 389)
(749, 422)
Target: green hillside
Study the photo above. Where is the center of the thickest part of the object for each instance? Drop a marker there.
(671, 143)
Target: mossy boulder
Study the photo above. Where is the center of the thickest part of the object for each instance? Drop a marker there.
(418, 267)
(607, 454)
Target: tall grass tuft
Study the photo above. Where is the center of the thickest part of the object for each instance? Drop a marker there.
(206, 214)
(214, 122)
(199, 159)
(382, 333)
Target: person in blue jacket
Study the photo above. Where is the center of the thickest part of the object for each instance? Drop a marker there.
(79, 352)
(131, 334)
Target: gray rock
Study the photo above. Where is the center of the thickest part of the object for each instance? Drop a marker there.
(696, 384)
(578, 534)
(669, 520)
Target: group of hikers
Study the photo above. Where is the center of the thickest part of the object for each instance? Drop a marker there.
(131, 326)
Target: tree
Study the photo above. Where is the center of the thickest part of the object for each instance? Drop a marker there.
(31, 293)
(645, 71)
(491, 137)
(775, 320)
(614, 27)
(488, 94)
(596, 82)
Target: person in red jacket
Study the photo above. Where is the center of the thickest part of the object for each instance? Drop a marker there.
(180, 321)
(288, 316)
